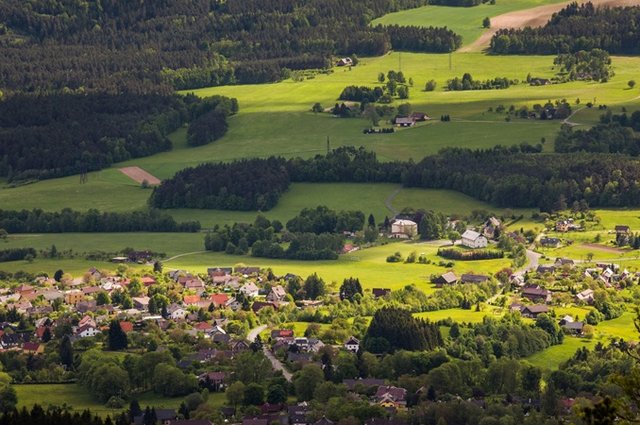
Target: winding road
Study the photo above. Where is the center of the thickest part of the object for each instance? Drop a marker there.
(275, 363)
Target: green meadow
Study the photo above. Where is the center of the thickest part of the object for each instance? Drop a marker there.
(78, 399)
(465, 21)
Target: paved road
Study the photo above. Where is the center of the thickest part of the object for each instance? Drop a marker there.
(275, 363)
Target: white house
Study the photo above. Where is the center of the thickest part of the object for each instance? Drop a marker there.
(473, 239)
(177, 313)
(404, 229)
(87, 331)
(277, 294)
(250, 289)
(352, 344)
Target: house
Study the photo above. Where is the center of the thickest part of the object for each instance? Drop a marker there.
(380, 292)
(536, 294)
(473, 239)
(148, 280)
(176, 312)
(190, 422)
(352, 344)
(278, 334)
(213, 380)
(419, 116)
(545, 268)
(550, 242)
(323, 421)
(401, 121)
(533, 311)
(220, 275)
(87, 331)
(448, 278)
(194, 285)
(73, 296)
(259, 305)
(473, 278)
(248, 271)
(277, 294)
(141, 303)
(162, 415)
(239, 345)
(585, 296)
(32, 348)
(404, 229)
(298, 414)
(126, 326)
(219, 300)
(562, 262)
(345, 62)
(622, 230)
(191, 299)
(491, 229)
(394, 396)
(575, 328)
(566, 225)
(249, 289)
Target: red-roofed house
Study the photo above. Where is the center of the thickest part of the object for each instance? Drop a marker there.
(191, 299)
(148, 280)
(219, 300)
(126, 326)
(32, 348)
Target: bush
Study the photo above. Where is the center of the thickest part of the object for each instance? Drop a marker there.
(395, 258)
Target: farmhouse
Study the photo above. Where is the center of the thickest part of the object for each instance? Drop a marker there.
(419, 116)
(491, 228)
(400, 121)
(345, 62)
(533, 311)
(564, 262)
(448, 278)
(622, 230)
(380, 292)
(473, 239)
(536, 294)
(404, 229)
(574, 328)
(585, 296)
(550, 242)
(277, 294)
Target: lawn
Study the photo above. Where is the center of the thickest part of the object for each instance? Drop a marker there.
(556, 354)
(79, 399)
(465, 21)
(459, 315)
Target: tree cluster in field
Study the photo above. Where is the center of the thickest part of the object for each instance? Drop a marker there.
(394, 329)
(149, 48)
(248, 184)
(557, 110)
(614, 134)
(15, 254)
(67, 220)
(315, 234)
(550, 182)
(54, 135)
(584, 65)
(476, 254)
(422, 39)
(468, 83)
(575, 28)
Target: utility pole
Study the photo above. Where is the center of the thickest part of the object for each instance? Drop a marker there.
(328, 145)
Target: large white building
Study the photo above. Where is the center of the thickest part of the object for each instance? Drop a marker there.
(404, 229)
(473, 239)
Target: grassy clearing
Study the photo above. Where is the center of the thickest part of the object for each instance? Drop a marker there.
(79, 399)
(553, 356)
(459, 315)
(465, 21)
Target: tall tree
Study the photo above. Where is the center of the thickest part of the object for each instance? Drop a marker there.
(117, 338)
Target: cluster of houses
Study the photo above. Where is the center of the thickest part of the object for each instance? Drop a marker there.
(410, 120)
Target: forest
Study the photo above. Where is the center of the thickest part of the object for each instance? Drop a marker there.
(575, 28)
(67, 220)
(248, 184)
(54, 135)
(142, 47)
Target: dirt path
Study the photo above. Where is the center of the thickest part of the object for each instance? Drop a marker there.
(603, 248)
(535, 17)
(568, 119)
(389, 200)
(139, 175)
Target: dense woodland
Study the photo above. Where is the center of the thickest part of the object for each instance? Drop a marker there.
(506, 177)
(254, 184)
(54, 135)
(144, 47)
(67, 220)
(575, 28)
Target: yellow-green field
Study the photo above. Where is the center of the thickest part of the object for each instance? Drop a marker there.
(465, 21)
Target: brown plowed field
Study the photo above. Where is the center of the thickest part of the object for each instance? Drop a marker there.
(139, 175)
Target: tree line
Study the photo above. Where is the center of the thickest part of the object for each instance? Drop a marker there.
(468, 83)
(575, 28)
(92, 220)
(15, 254)
(55, 135)
(149, 48)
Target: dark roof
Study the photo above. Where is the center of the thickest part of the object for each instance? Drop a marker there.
(622, 228)
(380, 292)
(473, 278)
(536, 309)
(535, 290)
(573, 326)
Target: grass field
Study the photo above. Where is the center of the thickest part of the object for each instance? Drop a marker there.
(79, 399)
(465, 21)
(274, 120)
(553, 356)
